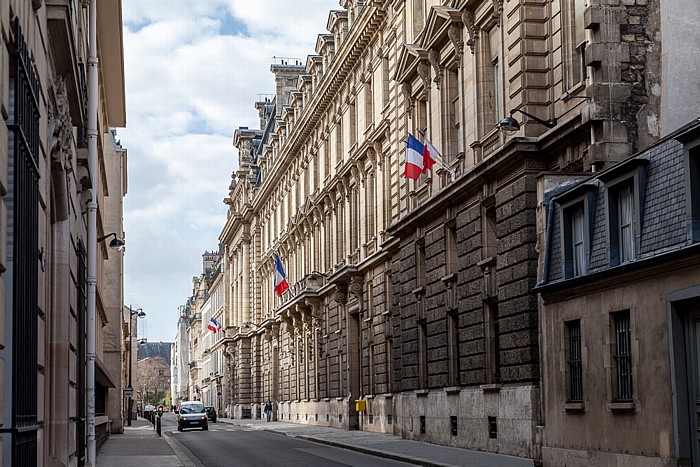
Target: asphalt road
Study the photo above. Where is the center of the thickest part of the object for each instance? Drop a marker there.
(227, 445)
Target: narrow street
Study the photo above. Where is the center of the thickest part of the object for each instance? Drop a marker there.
(224, 445)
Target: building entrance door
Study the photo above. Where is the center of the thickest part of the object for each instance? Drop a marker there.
(693, 362)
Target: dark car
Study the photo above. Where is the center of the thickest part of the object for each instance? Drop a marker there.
(211, 413)
(191, 414)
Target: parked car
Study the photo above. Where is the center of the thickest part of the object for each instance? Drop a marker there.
(148, 412)
(192, 413)
(211, 413)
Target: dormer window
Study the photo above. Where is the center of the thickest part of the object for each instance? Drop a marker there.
(625, 185)
(576, 207)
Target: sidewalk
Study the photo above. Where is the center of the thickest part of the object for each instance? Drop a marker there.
(140, 446)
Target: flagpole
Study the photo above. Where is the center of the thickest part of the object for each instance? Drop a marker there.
(440, 160)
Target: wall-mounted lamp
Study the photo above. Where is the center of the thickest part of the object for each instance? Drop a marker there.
(510, 124)
(116, 243)
(568, 95)
(313, 275)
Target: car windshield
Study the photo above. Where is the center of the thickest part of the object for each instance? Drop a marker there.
(192, 408)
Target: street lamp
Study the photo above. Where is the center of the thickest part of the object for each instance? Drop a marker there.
(116, 243)
(129, 391)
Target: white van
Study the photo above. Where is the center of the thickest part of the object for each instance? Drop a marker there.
(192, 413)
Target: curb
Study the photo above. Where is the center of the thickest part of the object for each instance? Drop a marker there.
(377, 452)
(186, 457)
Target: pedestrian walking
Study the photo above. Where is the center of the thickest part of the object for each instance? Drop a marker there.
(268, 410)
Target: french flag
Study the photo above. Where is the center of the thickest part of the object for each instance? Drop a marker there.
(414, 165)
(430, 155)
(214, 326)
(281, 284)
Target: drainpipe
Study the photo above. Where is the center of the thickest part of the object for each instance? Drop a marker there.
(92, 231)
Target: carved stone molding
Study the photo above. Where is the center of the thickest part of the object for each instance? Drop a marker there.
(355, 288)
(423, 70)
(434, 59)
(497, 10)
(408, 97)
(455, 35)
(62, 128)
(468, 20)
(339, 296)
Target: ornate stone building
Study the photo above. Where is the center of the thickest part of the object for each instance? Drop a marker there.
(416, 296)
(45, 188)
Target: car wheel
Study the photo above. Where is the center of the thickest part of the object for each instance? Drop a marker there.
(179, 427)
(205, 428)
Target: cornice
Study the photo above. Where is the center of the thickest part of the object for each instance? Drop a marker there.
(347, 58)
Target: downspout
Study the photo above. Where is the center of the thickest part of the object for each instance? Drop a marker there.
(548, 242)
(92, 230)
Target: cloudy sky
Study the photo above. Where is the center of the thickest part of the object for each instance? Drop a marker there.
(194, 69)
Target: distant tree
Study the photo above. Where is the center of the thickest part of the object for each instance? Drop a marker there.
(153, 381)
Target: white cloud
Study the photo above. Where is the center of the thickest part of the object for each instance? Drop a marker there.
(193, 72)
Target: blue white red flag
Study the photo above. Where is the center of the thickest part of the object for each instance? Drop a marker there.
(430, 155)
(214, 326)
(281, 284)
(414, 158)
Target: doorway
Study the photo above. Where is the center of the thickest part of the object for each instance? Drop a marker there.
(685, 370)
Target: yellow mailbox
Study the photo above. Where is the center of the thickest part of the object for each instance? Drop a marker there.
(360, 405)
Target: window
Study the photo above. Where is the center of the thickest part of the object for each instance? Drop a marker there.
(420, 262)
(490, 91)
(369, 103)
(451, 265)
(622, 213)
(573, 360)
(574, 33)
(489, 232)
(622, 356)
(451, 115)
(454, 348)
(493, 346)
(694, 191)
(422, 354)
(575, 241)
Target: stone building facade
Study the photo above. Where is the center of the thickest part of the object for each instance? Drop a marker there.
(415, 297)
(45, 186)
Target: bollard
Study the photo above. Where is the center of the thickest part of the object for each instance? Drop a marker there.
(157, 418)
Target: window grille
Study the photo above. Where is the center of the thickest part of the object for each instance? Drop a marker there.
(22, 203)
(623, 356)
(574, 361)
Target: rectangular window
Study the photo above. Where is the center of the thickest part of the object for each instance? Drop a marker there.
(694, 191)
(622, 206)
(423, 354)
(420, 263)
(575, 257)
(496, 92)
(625, 212)
(421, 112)
(573, 360)
(451, 265)
(454, 349)
(623, 356)
(493, 346)
(574, 35)
(489, 232)
(369, 103)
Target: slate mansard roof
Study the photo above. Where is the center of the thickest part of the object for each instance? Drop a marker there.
(664, 223)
